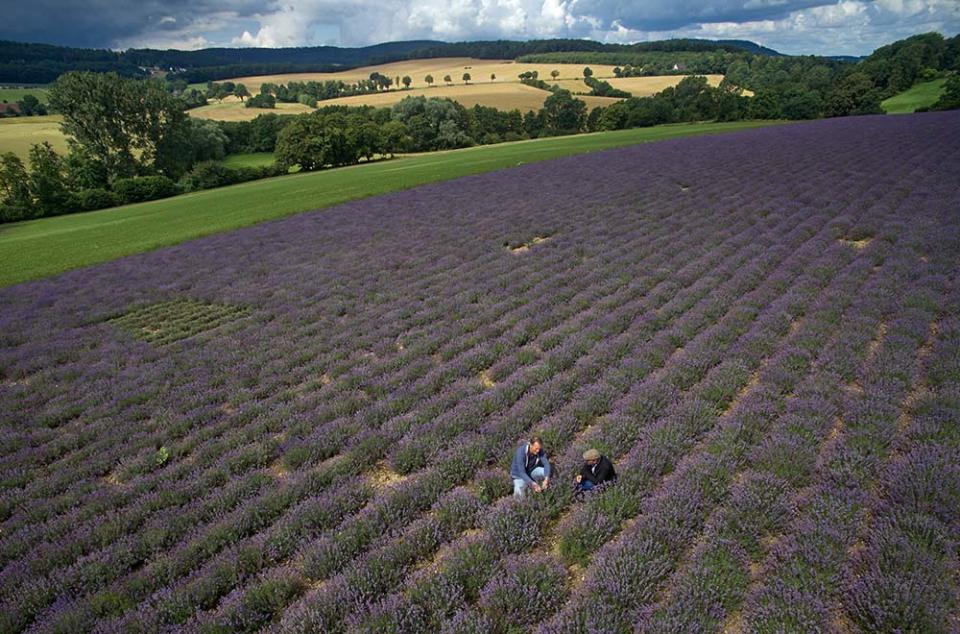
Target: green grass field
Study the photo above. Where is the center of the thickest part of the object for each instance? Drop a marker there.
(922, 94)
(40, 248)
(16, 94)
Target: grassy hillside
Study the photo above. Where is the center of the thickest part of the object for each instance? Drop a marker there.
(47, 246)
(16, 94)
(920, 95)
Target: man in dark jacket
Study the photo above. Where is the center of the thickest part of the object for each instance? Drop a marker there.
(596, 470)
(530, 468)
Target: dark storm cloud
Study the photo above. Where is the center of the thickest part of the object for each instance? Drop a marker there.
(105, 23)
(665, 15)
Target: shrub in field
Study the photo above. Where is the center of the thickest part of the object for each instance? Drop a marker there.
(524, 588)
(516, 524)
(142, 188)
(705, 597)
(92, 199)
(468, 622)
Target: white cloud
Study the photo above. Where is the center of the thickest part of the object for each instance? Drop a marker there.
(287, 26)
(792, 26)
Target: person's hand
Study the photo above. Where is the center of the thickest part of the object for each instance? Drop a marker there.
(546, 482)
(536, 487)
(579, 477)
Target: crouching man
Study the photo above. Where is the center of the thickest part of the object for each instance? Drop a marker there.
(530, 468)
(595, 471)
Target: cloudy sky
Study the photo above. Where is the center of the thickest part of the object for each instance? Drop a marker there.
(844, 27)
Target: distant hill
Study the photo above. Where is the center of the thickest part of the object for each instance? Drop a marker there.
(751, 47)
(24, 63)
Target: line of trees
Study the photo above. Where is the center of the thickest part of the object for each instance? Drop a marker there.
(647, 63)
(129, 140)
(27, 106)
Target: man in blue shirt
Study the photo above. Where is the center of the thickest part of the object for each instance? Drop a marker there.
(530, 467)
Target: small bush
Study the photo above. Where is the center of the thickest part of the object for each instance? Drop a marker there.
(92, 199)
(143, 188)
(527, 585)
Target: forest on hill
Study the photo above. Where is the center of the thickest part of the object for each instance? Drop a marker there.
(24, 63)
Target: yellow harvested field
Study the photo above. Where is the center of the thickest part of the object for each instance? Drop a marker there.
(504, 92)
(232, 109)
(504, 96)
(646, 86)
(479, 69)
(17, 134)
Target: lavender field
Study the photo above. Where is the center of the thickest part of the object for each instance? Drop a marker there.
(307, 425)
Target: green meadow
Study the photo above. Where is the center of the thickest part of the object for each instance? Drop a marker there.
(16, 94)
(920, 95)
(38, 248)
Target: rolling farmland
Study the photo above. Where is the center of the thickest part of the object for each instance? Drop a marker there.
(480, 69)
(17, 134)
(505, 92)
(306, 425)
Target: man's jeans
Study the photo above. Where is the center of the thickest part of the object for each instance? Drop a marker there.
(520, 486)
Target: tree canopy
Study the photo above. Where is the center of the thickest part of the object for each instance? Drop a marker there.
(131, 126)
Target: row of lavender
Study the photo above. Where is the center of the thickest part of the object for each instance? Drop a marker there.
(190, 556)
(355, 535)
(192, 559)
(659, 442)
(231, 480)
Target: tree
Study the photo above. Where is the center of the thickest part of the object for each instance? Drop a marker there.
(852, 95)
(950, 99)
(466, 78)
(395, 137)
(15, 200)
(83, 171)
(433, 124)
(797, 103)
(240, 91)
(563, 114)
(263, 100)
(365, 137)
(30, 106)
(407, 81)
(208, 141)
(765, 105)
(129, 125)
(380, 82)
(314, 141)
(429, 80)
(46, 180)
(193, 98)
(447, 79)
(587, 72)
(554, 73)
